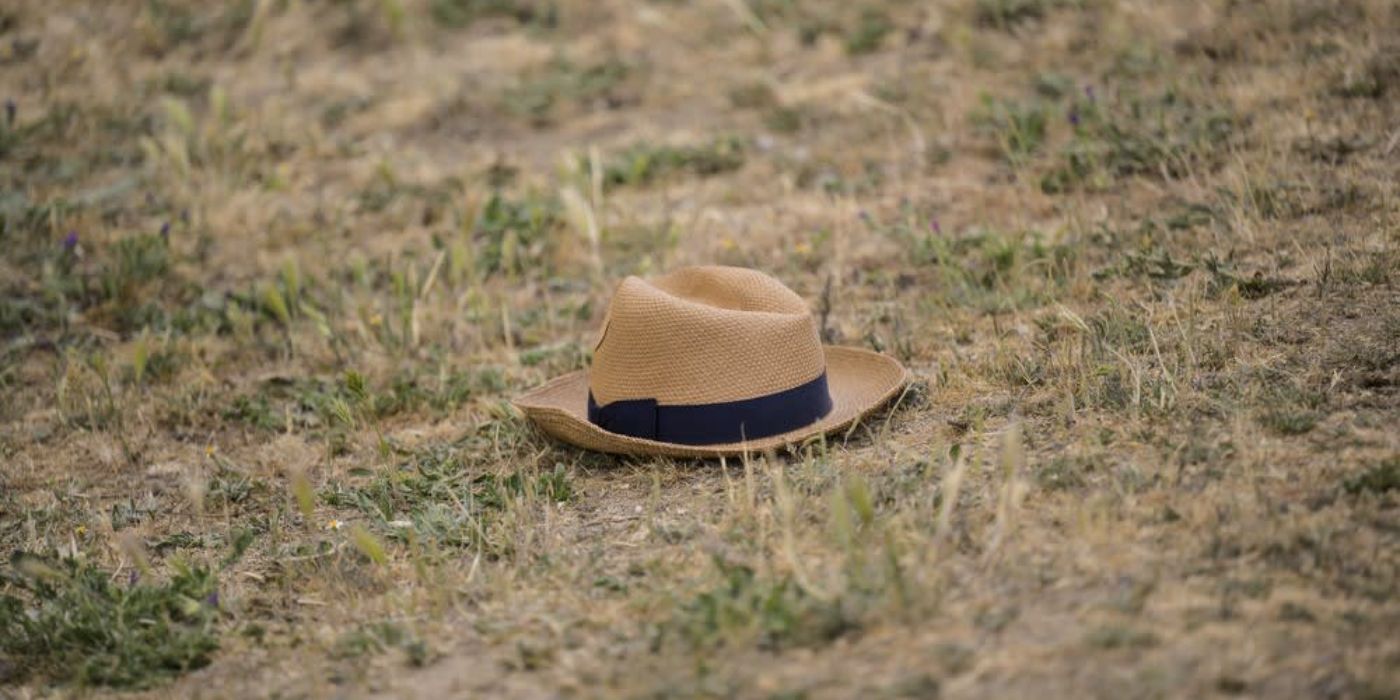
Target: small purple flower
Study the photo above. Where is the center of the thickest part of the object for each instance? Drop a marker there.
(864, 216)
(937, 230)
(1089, 92)
(1074, 116)
(10, 109)
(165, 231)
(132, 580)
(70, 241)
(212, 600)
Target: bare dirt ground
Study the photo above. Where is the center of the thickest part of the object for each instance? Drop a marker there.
(272, 269)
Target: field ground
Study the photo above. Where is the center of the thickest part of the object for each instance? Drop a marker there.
(272, 270)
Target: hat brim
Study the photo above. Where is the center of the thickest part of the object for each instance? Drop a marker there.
(860, 382)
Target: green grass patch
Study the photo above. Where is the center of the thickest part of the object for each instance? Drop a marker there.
(540, 94)
(458, 14)
(441, 496)
(376, 638)
(1005, 14)
(1153, 263)
(1166, 135)
(312, 403)
(1020, 127)
(1121, 637)
(513, 235)
(1288, 410)
(1063, 473)
(744, 608)
(68, 621)
(868, 32)
(983, 268)
(1378, 479)
(645, 164)
(1223, 277)
(1289, 421)
(385, 189)
(178, 23)
(126, 285)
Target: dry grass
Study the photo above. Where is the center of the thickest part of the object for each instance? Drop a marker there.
(272, 268)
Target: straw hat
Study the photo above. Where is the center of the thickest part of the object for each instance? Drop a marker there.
(710, 361)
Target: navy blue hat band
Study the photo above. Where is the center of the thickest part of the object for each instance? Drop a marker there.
(716, 423)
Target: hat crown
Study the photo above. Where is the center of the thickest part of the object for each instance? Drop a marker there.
(703, 335)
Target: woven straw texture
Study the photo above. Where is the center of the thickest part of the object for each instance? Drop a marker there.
(707, 335)
(704, 335)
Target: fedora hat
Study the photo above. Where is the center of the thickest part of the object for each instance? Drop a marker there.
(710, 361)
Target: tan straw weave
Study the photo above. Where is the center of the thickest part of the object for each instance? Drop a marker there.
(704, 335)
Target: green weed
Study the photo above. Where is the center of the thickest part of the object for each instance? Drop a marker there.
(985, 269)
(642, 164)
(71, 622)
(1063, 473)
(229, 488)
(1121, 637)
(322, 403)
(175, 24)
(513, 236)
(753, 95)
(1004, 14)
(1019, 127)
(1166, 135)
(1223, 278)
(1380, 478)
(744, 608)
(458, 14)
(1379, 75)
(784, 120)
(1288, 410)
(440, 496)
(539, 95)
(869, 31)
(1289, 422)
(463, 385)
(378, 637)
(386, 189)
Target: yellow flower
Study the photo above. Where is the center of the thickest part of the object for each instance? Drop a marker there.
(210, 449)
(803, 248)
(80, 530)
(334, 524)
